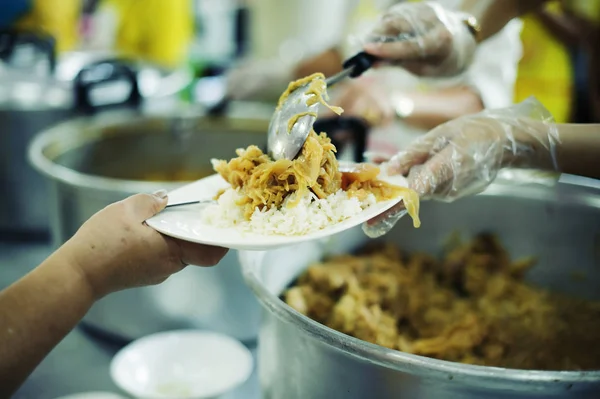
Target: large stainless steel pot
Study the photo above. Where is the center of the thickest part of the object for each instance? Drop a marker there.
(92, 162)
(300, 358)
(37, 91)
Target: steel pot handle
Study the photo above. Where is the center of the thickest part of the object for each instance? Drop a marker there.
(102, 73)
(43, 42)
(344, 131)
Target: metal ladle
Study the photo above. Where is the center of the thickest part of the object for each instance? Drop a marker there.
(282, 144)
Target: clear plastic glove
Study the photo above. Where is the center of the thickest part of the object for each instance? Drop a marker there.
(116, 250)
(424, 38)
(463, 156)
(253, 78)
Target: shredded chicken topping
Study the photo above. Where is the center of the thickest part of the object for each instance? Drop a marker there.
(472, 306)
(268, 183)
(265, 183)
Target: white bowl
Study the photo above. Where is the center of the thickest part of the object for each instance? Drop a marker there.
(183, 364)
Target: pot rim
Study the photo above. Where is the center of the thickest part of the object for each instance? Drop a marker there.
(473, 375)
(67, 134)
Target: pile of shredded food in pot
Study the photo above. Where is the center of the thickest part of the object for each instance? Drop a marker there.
(472, 306)
(308, 193)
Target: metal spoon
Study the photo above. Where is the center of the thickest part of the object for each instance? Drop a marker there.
(284, 145)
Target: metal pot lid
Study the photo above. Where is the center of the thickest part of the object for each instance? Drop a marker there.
(31, 78)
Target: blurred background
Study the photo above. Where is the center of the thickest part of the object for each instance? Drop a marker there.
(100, 99)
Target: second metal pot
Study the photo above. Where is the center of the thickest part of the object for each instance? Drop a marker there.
(300, 358)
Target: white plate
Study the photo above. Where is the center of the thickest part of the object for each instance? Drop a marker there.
(186, 222)
(181, 364)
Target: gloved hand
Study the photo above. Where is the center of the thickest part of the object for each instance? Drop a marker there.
(116, 250)
(424, 38)
(463, 156)
(256, 77)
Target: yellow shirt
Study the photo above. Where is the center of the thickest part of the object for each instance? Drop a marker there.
(156, 30)
(545, 69)
(59, 18)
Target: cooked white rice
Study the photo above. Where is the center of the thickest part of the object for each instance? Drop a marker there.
(311, 214)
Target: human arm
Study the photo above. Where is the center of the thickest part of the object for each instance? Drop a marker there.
(112, 251)
(462, 157)
(37, 312)
(328, 62)
(432, 108)
(367, 98)
(579, 149)
(493, 15)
